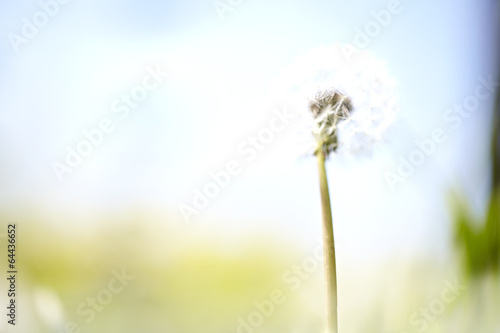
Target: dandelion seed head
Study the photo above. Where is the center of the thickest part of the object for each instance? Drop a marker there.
(350, 103)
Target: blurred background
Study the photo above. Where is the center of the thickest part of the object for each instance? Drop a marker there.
(417, 255)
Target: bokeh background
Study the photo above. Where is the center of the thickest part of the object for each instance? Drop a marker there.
(399, 248)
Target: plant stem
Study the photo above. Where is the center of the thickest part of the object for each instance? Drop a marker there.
(328, 248)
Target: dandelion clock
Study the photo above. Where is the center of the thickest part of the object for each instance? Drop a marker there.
(347, 103)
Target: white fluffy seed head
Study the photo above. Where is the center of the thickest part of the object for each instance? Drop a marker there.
(350, 102)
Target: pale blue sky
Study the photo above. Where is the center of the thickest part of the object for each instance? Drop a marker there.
(65, 79)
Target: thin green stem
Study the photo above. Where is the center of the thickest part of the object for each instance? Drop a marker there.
(328, 248)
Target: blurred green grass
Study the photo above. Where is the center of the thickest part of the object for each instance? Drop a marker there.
(186, 283)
